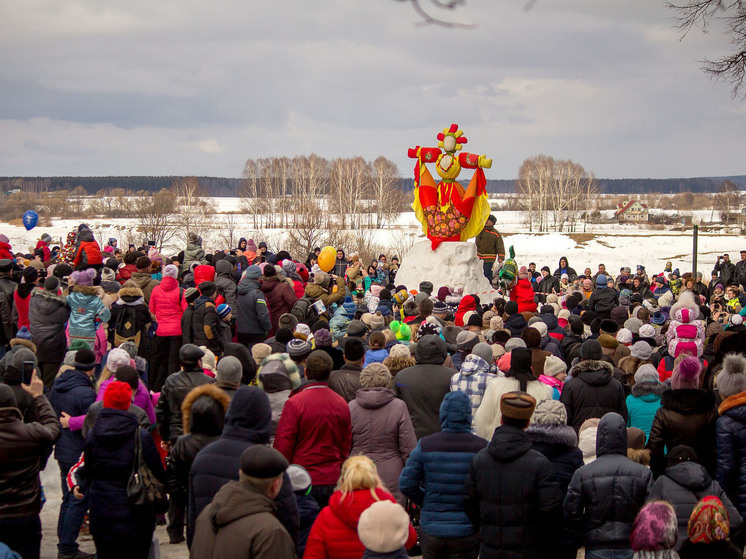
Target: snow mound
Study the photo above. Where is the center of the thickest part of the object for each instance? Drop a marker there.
(451, 265)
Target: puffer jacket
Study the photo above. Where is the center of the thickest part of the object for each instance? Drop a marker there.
(682, 486)
(730, 431)
(516, 324)
(130, 304)
(316, 292)
(248, 422)
(280, 297)
(592, 392)
(48, 313)
(553, 328)
(382, 430)
(72, 393)
(205, 325)
(125, 273)
(168, 411)
(6, 251)
(423, 386)
(24, 448)
(194, 253)
(87, 310)
(334, 534)
(253, 313)
(167, 303)
(686, 416)
(605, 496)
(643, 404)
(602, 301)
(143, 281)
(511, 496)
(203, 416)
(523, 294)
(559, 443)
(225, 283)
(88, 252)
(435, 473)
(466, 305)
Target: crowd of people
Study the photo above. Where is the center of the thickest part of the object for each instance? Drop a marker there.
(263, 407)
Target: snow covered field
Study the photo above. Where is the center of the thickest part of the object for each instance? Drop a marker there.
(613, 244)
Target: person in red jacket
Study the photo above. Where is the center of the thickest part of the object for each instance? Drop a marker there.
(5, 250)
(167, 304)
(523, 293)
(22, 296)
(279, 294)
(125, 272)
(334, 534)
(315, 429)
(88, 252)
(43, 246)
(468, 303)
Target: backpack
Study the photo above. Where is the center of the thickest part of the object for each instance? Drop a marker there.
(304, 311)
(126, 328)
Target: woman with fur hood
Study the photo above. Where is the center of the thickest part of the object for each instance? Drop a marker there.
(203, 414)
(730, 429)
(87, 310)
(129, 321)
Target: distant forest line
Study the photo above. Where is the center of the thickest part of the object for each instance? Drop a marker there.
(219, 186)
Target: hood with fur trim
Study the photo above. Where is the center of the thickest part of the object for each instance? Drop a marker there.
(592, 372)
(686, 301)
(24, 343)
(200, 418)
(562, 435)
(88, 290)
(130, 295)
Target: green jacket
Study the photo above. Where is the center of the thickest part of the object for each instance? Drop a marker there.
(490, 244)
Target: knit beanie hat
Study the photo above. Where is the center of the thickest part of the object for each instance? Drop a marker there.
(107, 274)
(298, 349)
(400, 351)
(375, 375)
(323, 338)
(550, 412)
(541, 327)
(85, 359)
(191, 295)
(511, 307)
(259, 352)
(209, 361)
(496, 323)
(383, 527)
(117, 358)
(591, 350)
(302, 331)
(709, 521)
(118, 395)
(641, 350)
(576, 325)
(223, 310)
(466, 341)
(377, 321)
(686, 373)
(646, 373)
(633, 325)
(554, 366)
(513, 343)
(732, 377)
(647, 331)
(84, 277)
(486, 317)
(229, 370)
(655, 528)
(52, 284)
(624, 336)
(483, 350)
(170, 271)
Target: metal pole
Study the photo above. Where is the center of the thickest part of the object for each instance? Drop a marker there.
(695, 238)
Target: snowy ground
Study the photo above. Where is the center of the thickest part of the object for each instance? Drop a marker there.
(613, 244)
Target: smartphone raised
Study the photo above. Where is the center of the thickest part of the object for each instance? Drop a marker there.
(28, 371)
(151, 243)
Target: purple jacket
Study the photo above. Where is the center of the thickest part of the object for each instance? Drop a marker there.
(142, 400)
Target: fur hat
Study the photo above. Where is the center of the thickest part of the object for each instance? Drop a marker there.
(554, 366)
(624, 336)
(646, 373)
(686, 373)
(550, 412)
(732, 378)
(375, 375)
(517, 405)
(117, 358)
(641, 350)
(383, 527)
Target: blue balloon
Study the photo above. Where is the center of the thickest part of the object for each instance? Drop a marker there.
(30, 219)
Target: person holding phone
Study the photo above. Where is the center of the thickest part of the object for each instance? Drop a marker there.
(18, 372)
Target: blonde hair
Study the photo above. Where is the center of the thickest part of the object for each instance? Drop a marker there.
(359, 472)
(106, 374)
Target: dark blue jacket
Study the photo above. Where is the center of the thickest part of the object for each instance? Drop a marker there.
(248, 422)
(72, 393)
(437, 468)
(559, 443)
(731, 453)
(308, 510)
(109, 456)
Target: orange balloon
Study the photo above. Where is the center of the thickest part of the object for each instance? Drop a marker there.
(327, 258)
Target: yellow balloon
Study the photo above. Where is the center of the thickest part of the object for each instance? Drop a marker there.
(327, 258)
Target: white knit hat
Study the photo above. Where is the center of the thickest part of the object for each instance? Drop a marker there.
(554, 366)
(624, 336)
(646, 373)
(647, 331)
(117, 358)
(383, 527)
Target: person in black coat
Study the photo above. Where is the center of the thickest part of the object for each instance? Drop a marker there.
(604, 496)
(684, 484)
(603, 299)
(573, 340)
(511, 494)
(564, 268)
(592, 390)
(72, 394)
(48, 313)
(546, 285)
(118, 529)
(13, 377)
(248, 422)
(175, 389)
(205, 320)
(515, 323)
(203, 412)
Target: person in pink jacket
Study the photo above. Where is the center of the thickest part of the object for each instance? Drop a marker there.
(167, 304)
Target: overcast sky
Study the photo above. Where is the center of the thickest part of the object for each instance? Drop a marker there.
(179, 87)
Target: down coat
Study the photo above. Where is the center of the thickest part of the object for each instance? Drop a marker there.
(168, 304)
(511, 496)
(731, 449)
(683, 485)
(48, 313)
(643, 404)
(685, 333)
(87, 252)
(334, 534)
(592, 392)
(559, 443)
(437, 468)
(280, 297)
(225, 282)
(87, 310)
(382, 431)
(605, 496)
